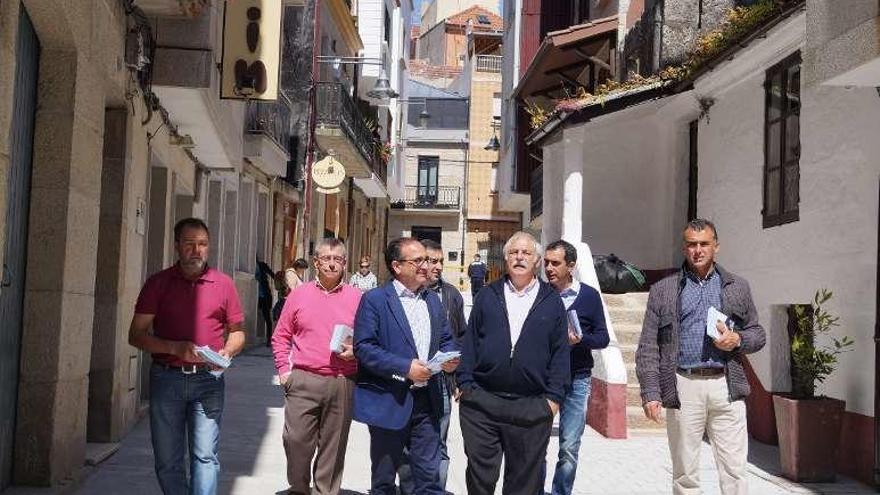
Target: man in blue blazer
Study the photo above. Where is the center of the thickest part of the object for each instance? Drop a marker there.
(398, 328)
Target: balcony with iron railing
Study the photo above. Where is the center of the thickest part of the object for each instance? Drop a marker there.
(433, 198)
(488, 63)
(267, 134)
(340, 128)
(270, 118)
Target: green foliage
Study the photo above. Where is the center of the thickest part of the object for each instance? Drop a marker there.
(811, 364)
(738, 23)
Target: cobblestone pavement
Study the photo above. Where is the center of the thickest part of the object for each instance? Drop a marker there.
(253, 458)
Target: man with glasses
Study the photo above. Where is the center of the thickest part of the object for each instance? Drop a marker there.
(364, 279)
(515, 365)
(318, 382)
(453, 304)
(398, 329)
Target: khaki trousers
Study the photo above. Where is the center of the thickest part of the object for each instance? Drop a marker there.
(317, 416)
(706, 407)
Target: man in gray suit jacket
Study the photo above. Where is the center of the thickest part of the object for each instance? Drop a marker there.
(700, 379)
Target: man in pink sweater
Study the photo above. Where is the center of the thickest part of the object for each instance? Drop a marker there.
(318, 383)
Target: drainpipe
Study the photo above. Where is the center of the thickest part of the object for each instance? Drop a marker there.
(877, 374)
(348, 228)
(463, 206)
(310, 147)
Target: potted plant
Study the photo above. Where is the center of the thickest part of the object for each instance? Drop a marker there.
(809, 426)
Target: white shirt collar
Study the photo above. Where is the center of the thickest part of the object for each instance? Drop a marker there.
(402, 291)
(574, 289)
(525, 292)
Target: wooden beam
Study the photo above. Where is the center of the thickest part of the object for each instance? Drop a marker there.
(570, 80)
(592, 59)
(557, 70)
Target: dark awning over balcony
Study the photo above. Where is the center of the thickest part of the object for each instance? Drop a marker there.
(571, 57)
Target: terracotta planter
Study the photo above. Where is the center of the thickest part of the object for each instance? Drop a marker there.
(809, 433)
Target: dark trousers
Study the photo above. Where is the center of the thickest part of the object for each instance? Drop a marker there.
(421, 438)
(517, 429)
(476, 285)
(265, 304)
(403, 473)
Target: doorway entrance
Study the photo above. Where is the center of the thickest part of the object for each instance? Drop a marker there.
(15, 248)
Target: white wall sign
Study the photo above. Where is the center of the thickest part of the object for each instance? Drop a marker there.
(251, 49)
(328, 175)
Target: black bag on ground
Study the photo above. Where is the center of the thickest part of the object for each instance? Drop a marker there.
(617, 276)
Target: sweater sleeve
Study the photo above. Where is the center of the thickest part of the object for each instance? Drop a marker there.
(282, 336)
(465, 372)
(648, 352)
(559, 367)
(592, 317)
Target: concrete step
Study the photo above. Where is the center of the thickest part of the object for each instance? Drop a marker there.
(629, 352)
(635, 419)
(631, 373)
(633, 395)
(627, 316)
(628, 334)
(632, 300)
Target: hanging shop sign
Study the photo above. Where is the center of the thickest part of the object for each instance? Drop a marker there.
(251, 49)
(328, 175)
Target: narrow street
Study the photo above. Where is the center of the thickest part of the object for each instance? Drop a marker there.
(253, 457)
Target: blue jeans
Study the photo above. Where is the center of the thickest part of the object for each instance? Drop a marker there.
(185, 411)
(572, 420)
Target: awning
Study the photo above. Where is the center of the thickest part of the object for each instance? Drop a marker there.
(571, 57)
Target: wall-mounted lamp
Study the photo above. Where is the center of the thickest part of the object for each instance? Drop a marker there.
(424, 116)
(381, 91)
(494, 144)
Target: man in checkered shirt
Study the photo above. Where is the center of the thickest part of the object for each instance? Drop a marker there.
(700, 380)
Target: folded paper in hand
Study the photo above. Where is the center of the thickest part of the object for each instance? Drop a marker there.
(341, 333)
(436, 362)
(574, 324)
(213, 357)
(713, 316)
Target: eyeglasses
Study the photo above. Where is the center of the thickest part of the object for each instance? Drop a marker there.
(417, 261)
(328, 259)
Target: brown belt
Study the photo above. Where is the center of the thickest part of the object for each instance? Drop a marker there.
(701, 371)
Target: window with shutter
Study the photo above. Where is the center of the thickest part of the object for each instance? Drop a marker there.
(782, 144)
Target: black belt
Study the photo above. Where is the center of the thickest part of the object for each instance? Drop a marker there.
(701, 371)
(189, 369)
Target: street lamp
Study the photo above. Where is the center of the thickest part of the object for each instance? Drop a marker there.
(494, 144)
(424, 116)
(381, 91)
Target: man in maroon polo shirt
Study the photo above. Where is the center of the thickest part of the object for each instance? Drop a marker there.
(187, 305)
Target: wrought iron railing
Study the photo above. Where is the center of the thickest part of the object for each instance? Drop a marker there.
(430, 197)
(537, 192)
(335, 108)
(488, 63)
(271, 118)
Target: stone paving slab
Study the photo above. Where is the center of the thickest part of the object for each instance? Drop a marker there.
(253, 459)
